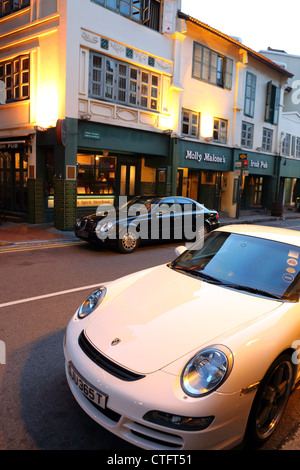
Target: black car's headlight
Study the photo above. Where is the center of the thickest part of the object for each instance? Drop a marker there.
(104, 227)
(206, 371)
(91, 302)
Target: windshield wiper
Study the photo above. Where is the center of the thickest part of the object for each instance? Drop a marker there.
(214, 280)
(204, 276)
(254, 290)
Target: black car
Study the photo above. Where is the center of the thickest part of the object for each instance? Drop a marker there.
(147, 219)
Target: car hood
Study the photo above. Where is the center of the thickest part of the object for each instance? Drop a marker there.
(163, 315)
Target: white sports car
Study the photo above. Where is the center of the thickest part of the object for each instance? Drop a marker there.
(195, 354)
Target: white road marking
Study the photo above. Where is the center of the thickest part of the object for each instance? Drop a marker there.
(46, 296)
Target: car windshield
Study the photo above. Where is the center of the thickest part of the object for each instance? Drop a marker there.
(246, 263)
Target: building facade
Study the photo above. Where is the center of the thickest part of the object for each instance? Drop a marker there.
(107, 98)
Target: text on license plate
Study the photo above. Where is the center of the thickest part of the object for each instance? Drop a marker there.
(90, 392)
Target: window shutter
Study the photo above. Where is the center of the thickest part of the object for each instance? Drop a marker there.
(228, 74)
(268, 103)
(169, 16)
(276, 106)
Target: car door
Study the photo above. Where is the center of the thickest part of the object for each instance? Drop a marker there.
(162, 219)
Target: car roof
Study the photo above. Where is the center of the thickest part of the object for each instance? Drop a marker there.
(262, 231)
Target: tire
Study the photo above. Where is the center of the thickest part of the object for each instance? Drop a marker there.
(127, 242)
(270, 400)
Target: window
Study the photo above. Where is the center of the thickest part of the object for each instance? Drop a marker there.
(220, 130)
(267, 140)
(250, 94)
(95, 174)
(286, 145)
(123, 83)
(212, 67)
(15, 75)
(146, 12)
(247, 135)
(10, 6)
(297, 147)
(190, 123)
(272, 103)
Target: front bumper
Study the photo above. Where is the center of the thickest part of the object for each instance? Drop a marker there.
(126, 404)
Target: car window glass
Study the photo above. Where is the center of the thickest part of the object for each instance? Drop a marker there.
(249, 261)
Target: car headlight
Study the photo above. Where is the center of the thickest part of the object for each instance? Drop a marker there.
(104, 227)
(206, 371)
(91, 302)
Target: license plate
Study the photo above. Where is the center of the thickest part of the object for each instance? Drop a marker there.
(88, 390)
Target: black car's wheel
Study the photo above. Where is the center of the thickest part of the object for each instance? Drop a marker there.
(127, 242)
(271, 399)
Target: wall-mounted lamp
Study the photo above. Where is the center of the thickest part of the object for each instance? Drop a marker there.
(85, 117)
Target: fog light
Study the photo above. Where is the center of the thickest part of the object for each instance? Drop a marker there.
(184, 423)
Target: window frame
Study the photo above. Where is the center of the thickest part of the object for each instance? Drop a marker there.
(135, 86)
(272, 103)
(250, 92)
(248, 131)
(267, 139)
(222, 135)
(211, 66)
(297, 147)
(286, 145)
(15, 73)
(190, 125)
(8, 7)
(148, 12)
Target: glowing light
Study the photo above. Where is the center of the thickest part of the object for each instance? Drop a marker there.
(47, 104)
(207, 123)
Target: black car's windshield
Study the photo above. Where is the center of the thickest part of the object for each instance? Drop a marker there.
(246, 263)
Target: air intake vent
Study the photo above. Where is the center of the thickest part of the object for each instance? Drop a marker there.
(105, 363)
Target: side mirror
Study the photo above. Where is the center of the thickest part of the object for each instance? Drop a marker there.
(179, 250)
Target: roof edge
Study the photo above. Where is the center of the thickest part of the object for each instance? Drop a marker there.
(236, 43)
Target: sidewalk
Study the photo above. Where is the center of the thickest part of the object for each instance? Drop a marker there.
(12, 233)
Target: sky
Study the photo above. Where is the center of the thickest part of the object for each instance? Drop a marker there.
(260, 23)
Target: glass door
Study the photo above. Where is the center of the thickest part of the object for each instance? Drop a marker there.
(127, 179)
(13, 181)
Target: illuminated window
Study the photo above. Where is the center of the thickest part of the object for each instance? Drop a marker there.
(212, 67)
(10, 6)
(146, 12)
(95, 174)
(15, 75)
(123, 83)
(220, 130)
(190, 123)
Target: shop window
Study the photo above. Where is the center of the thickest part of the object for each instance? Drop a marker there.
(10, 6)
(220, 130)
(267, 140)
(212, 67)
(190, 123)
(247, 135)
(15, 75)
(146, 12)
(123, 83)
(250, 94)
(95, 174)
